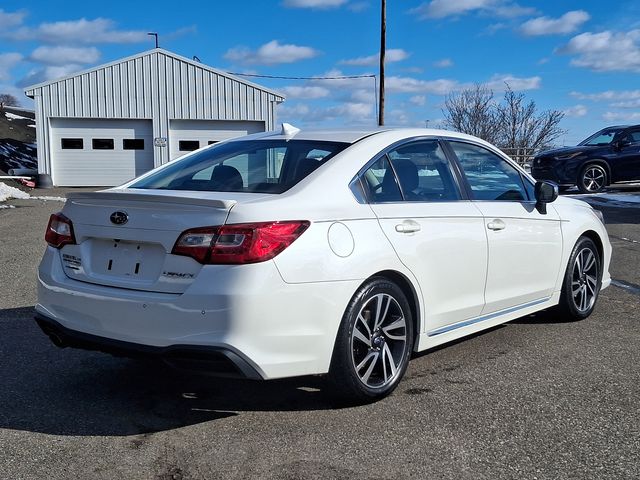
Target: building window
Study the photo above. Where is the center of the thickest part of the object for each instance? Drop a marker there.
(188, 145)
(211, 142)
(133, 144)
(71, 143)
(102, 143)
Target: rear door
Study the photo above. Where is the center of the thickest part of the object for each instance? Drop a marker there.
(525, 247)
(437, 235)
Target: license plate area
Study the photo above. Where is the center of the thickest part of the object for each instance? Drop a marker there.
(126, 259)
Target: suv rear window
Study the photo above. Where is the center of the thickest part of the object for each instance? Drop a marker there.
(254, 166)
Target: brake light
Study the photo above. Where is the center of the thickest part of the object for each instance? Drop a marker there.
(59, 231)
(239, 243)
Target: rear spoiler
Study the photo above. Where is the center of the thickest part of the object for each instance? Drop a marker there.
(79, 197)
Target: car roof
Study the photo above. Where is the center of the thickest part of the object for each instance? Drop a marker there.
(348, 134)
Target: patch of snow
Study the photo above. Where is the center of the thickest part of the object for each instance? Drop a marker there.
(7, 192)
(53, 199)
(3, 207)
(33, 126)
(13, 116)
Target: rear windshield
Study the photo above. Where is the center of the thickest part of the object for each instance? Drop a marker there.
(255, 166)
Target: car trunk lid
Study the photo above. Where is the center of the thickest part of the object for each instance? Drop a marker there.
(124, 238)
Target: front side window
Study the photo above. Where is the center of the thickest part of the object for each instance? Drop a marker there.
(255, 166)
(490, 176)
(424, 173)
(601, 138)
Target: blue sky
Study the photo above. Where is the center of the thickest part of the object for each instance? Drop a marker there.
(582, 57)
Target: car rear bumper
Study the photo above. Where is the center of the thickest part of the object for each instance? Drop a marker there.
(280, 329)
(214, 360)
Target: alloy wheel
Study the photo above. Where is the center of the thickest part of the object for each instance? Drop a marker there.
(379, 341)
(584, 279)
(594, 178)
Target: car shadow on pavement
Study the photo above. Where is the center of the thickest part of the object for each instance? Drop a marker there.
(74, 392)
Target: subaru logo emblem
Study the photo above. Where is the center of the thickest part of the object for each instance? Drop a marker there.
(119, 218)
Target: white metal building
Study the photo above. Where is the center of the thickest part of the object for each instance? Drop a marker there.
(106, 125)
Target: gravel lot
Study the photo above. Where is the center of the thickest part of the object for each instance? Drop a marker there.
(536, 398)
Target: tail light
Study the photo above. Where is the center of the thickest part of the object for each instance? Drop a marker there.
(59, 231)
(239, 243)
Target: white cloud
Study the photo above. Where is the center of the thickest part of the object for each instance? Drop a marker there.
(499, 82)
(621, 116)
(65, 55)
(10, 19)
(305, 92)
(627, 104)
(567, 23)
(608, 95)
(320, 4)
(358, 6)
(413, 85)
(83, 31)
(448, 8)
(48, 73)
(444, 63)
(419, 100)
(271, 53)
(7, 62)
(576, 111)
(605, 51)
(353, 113)
(391, 55)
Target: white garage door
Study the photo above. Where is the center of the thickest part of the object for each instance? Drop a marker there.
(188, 135)
(91, 152)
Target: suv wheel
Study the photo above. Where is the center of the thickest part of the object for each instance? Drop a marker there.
(592, 179)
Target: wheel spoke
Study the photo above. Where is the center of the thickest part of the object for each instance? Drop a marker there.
(399, 323)
(366, 325)
(590, 261)
(392, 363)
(380, 314)
(579, 264)
(361, 336)
(373, 356)
(585, 298)
(591, 283)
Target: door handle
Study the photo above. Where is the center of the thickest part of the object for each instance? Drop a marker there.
(496, 224)
(408, 226)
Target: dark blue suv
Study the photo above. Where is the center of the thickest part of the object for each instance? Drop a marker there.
(609, 156)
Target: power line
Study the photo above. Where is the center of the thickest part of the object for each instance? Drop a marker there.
(343, 77)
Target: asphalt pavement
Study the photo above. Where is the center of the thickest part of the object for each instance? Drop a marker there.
(536, 398)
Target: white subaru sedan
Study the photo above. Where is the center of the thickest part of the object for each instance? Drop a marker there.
(317, 252)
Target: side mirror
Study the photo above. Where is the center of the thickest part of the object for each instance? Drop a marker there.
(545, 192)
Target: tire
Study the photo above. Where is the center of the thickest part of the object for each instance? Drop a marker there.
(373, 345)
(582, 281)
(593, 178)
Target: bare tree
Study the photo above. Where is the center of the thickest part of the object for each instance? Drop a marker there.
(8, 100)
(523, 127)
(513, 123)
(472, 111)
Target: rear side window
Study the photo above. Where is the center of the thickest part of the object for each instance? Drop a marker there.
(424, 173)
(257, 166)
(380, 182)
(490, 176)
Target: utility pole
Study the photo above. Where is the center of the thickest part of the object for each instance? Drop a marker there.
(383, 41)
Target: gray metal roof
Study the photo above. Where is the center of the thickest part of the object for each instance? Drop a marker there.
(30, 91)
